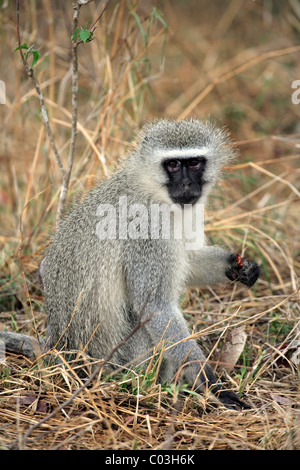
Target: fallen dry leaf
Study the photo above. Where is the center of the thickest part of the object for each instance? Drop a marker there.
(233, 348)
(281, 400)
(296, 355)
(36, 404)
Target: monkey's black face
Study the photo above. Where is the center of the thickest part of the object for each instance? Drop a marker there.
(186, 179)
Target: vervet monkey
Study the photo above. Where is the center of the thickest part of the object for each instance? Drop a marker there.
(104, 272)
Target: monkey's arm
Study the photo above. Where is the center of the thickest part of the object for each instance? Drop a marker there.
(165, 321)
(213, 265)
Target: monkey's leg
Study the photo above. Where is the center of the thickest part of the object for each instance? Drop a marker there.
(186, 358)
(137, 350)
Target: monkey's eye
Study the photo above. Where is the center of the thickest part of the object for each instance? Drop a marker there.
(195, 163)
(173, 165)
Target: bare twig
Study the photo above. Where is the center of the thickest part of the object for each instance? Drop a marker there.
(31, 75)
(75, 43)
(93, 27)
(66, 173)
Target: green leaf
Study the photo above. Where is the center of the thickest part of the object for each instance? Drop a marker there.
(143, 34)
(74, 36)
(85, 35)
(30, 50)
(191, 392)
(23, 46)
(170, 390)
(158, 16)
(36, 56)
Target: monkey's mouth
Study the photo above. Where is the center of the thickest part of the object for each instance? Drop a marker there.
(186, 197)
(185, 193)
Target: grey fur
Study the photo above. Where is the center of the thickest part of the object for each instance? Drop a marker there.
(21, 344)
(112, 277)
(106, 282)
(95, 288)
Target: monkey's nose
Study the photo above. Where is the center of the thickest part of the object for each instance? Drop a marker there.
(186, 185)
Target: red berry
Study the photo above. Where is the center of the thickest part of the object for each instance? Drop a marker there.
(239, 260)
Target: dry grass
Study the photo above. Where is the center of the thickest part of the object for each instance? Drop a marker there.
(235, 61)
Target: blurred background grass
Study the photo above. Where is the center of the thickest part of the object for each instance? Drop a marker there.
(232, 61)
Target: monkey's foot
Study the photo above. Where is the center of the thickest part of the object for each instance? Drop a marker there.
(231, 400)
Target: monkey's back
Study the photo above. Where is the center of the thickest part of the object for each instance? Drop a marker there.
(83, 282)
(90, 281)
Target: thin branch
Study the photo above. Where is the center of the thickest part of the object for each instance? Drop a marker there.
(93, 27)
(67, 176)
(75, 43)
(31, 75)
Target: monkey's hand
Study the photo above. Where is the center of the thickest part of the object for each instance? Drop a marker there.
(242, 270)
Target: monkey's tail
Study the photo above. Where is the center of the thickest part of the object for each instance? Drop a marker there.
(20, 344)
